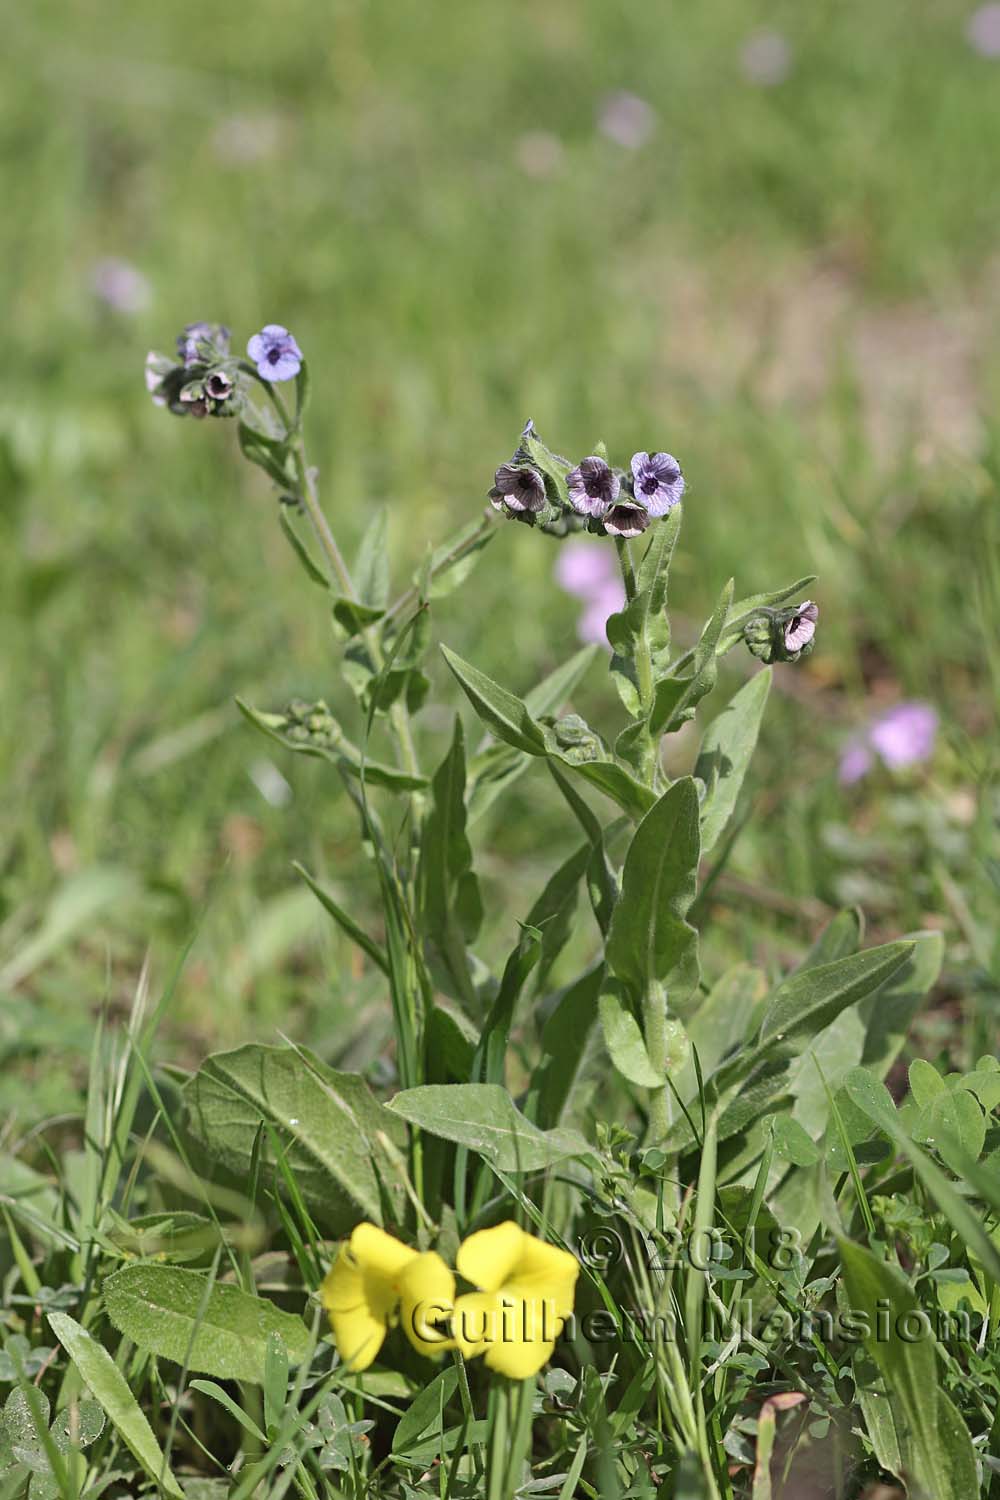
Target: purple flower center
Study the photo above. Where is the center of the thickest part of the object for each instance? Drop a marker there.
(650, 485)
(274, 354)
(594, 486)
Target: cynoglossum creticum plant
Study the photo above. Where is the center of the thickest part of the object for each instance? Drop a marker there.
(724, 1124)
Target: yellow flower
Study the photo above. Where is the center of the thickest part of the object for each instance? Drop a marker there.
(363, 1290)
(526, 1294)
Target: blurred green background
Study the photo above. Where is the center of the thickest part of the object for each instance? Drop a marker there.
(778, 257)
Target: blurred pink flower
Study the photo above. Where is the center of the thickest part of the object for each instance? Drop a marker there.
(588, 570)
(626, 119)
(608, 600)
(902, 736)
(583, 567)
(982, 30)
(120, 286)
(766, 59)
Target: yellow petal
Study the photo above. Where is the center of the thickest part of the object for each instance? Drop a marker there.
(489, 1257)
(379, 1252)
(361, 1292)
(427, 1298)
(516, 1334)
(475, 1323)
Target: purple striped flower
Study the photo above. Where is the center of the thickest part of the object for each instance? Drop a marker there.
(801, 628)
(593, 487)
(275, 353)
(518, 487)
(657, 481)
(626, 518)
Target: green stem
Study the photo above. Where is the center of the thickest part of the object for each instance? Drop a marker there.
(641, 653)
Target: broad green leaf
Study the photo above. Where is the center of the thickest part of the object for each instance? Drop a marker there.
(809, 1000)
(874, 1100)
(624, 1040)
(312, 570)
(328, 1122)
(954, 1124)
(615, 782)
(985, 1084)
(217, 1330)
(565, 1039)
(108, 1385)
(371, 568)
(353, 616)
(649, 941)
(935, 1448)
(791, 1143)
(345, 920)
(483, 1117)
(840, 937)
(925, 1081)
(500, 711)
(422, 1419)
(889, 1013)
(450, 904)
(725, 755)
(554, 912)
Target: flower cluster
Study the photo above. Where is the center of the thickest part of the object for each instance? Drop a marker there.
(782, 634)
(524, 1294)
(205, 380)
(541, 488)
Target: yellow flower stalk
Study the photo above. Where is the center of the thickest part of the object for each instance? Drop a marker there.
(374, 1276)
(526, 1291)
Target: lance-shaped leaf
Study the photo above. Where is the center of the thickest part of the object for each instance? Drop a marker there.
(810, 999)
(565, 1040)
(108, 1385)
(493, 768)
(649, 941)
(725, 755)
(371, 569)
(931, 1439)
(328, 1124)
(624, 1039)
(445, 568)
(450, 903)
(484, 1118)
(504, 714)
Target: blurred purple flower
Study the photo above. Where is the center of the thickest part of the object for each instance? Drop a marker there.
(593, 486)
(657, 481)
(588, 570)
(120, 286)
(766, 59)
(584, 568)
(982, 30)
(902, 736)
(275, 353)
(626, 119)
